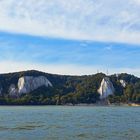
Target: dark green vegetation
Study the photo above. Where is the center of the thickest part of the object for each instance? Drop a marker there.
(70, 89)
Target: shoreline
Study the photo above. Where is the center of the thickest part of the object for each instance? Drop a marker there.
(88, 105)
(106, 105)
(134, 104)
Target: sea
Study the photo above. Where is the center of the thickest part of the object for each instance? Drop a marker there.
(69, 123)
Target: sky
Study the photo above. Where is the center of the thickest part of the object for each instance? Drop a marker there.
(75, 37)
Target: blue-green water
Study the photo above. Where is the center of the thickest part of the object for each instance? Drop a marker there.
(69, 123)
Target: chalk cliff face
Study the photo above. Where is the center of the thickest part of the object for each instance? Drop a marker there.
(106, 88)
(27, 84)
(123, 83)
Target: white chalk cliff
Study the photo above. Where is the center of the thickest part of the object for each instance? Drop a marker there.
(106, 88)
(27, 84)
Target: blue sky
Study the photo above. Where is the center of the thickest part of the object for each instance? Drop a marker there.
(47, 35)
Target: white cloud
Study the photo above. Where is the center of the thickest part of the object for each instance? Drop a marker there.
(104, 20)
(137, 1)
(64, 69)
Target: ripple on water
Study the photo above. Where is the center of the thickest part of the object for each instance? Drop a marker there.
(68, 123)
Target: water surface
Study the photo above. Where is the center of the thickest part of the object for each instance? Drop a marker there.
(69, 123)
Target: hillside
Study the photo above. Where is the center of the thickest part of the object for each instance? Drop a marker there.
(39, 88)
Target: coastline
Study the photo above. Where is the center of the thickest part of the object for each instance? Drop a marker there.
(105, 104)
(134, 104)
(99, 104)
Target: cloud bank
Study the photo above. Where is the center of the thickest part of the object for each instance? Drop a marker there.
(95, 20)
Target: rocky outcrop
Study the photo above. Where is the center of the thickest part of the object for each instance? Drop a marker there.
(123, 83)
(27, 84)
(106, 88)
